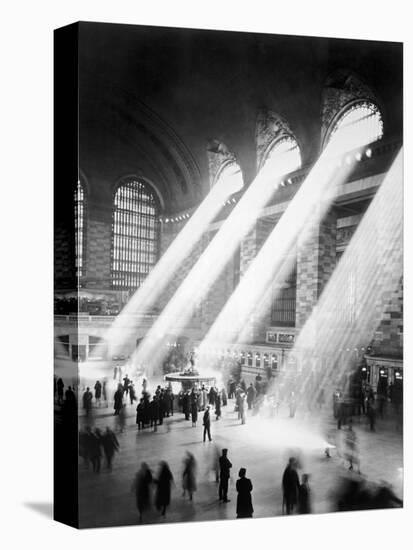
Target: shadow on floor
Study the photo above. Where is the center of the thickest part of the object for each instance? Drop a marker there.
(43, 508)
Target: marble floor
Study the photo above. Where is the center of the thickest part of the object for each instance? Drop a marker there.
(262, 446)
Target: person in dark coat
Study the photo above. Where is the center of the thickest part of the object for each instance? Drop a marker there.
(163, 488)
(186, 405)
(194, 410)
(60, 385)
(224, 473)
(140, 415)
(98, 392)
(154, 413)
(142, 489)
(118, 399)
(104, 394)
(218, 406)
(132, 393)
(211, 396)
(87, 401)
(304, 496)
(291, 485)
(110, 445)
(244, 501)
(207, 424)
(224, 397)
(189, 475)
(94, 443)
(251, 392)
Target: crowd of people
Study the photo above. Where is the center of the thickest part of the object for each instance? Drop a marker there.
(203, 403)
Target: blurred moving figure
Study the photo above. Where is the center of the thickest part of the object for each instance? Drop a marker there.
(163, 489)
(110, 445)
(142, 488)
(189, 475)
(291, 485)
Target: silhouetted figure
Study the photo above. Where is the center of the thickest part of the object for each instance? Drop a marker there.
(126, 383)
(251, 393)
(244, 501)
(140, 414)
(60, 385)
(142, 489)
(194, 410)
(207, 424)
(189, 475)
(154, 413)
(132, 393)
(304, 496)
(118, 400)
(290, 484)
(110, 445)
(104, 393)
(186, 405)
(70, 398)
(224, 474)
(87, 401)
(224, 397)
(218, 406)
(163, 488)
(98, 392)
(122, 419)
(94, 441)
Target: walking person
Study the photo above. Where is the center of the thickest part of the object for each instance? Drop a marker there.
(110, 445)
(351, 446)
(224, 474)
(244, 500)
(122, 419)
(207, 424)
(94, 442)
(98, 392)
(218, 406)
(104, 393)
(194, 410)
(87, 401)
(118, 400)
(189, 475)
(163, 488)
(142, 488)
(290, 485)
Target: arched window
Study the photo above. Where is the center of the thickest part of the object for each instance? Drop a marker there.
(134, 234)
(230, 178)
(359, 124)
(283, 155)
(79, 227)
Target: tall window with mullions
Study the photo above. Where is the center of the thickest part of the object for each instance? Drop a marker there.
(79, 228)
(135, 233)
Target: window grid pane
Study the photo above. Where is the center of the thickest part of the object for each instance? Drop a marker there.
(362, 119)
(79, 233)
(135, 235)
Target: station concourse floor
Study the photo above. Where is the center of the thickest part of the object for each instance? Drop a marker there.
(262, 446)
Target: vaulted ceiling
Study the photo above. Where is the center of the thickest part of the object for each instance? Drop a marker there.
(151, 99)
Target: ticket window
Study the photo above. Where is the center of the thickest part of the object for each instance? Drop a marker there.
(266, 360)
(274, 361)
(242, 357)
(249, 359)
(258, 359)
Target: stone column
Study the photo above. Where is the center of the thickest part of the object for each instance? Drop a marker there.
(316, 260)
